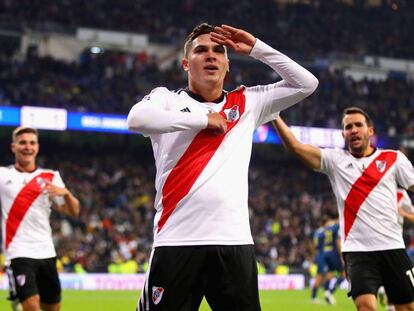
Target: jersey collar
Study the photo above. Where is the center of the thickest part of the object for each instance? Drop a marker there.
(19, 170)
(201, 99)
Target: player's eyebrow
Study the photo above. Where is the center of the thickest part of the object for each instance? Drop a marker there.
(218, 48)
(200, 48)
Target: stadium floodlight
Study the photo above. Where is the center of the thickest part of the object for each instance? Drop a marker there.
(96, 50)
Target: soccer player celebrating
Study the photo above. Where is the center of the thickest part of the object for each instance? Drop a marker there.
(202, 140)
(364, 180)
(27, 193)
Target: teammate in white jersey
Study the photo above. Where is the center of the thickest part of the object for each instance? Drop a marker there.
(27, 194)
(202, 140)
(365, 180)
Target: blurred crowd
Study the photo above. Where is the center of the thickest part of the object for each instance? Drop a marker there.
(114, 81)
(307, 30)
(349, 26)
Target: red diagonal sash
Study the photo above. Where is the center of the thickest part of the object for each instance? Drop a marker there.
(399, 196)
(364, 185)
(195, 159)
(24, 199)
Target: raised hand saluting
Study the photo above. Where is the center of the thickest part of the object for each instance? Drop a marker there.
(237, 39)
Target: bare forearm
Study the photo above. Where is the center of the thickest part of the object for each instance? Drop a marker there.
(308, 154)
(410, 218)
(71, 206)
(289, 140)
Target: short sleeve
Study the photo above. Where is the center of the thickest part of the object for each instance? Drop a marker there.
(404, 171)
(57, 180)
(327, 160)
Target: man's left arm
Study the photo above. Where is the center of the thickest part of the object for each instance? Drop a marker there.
(69, 205)
(297, 82)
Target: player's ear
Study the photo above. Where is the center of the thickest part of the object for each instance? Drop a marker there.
(371, 131)
(184, 63)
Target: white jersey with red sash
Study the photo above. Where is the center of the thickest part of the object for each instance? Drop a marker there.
(25, 210)
(202, 178)
(365, 190)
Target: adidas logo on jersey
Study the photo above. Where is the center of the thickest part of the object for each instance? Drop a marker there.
(186, 109)
(350, 165)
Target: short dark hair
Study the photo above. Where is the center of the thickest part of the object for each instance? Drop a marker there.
(198, 30)
(352, 110)
(23, 130)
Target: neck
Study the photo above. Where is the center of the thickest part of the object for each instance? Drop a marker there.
(364, 153)
(209, 93)
(23, 167)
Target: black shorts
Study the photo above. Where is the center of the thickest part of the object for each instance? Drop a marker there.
(180, 276)
(29, 277)
(367, 271)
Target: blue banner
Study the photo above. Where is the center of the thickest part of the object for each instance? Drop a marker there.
(9, 116)
(97, 122)
(60, 119)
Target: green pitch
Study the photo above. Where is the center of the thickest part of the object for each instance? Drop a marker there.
(126, 301)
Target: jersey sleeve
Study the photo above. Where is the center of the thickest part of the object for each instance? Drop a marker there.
(327, 160)
(2, 178)
(152, 116)
(57, 180)
(404, 171)
(296, 84)
(406, 203)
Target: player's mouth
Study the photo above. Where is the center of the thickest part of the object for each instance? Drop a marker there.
(211, 68)
(355, 139)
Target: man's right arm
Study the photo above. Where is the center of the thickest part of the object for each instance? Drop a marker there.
(308, 154)
(150, 116)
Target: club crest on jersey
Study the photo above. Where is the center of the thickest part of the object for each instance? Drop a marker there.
(381, 165)
(157, 294)
(21, 279)
(232, 113)
(41, 182)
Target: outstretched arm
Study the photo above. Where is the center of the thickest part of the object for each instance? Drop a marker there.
(308, 154)
(297, 83)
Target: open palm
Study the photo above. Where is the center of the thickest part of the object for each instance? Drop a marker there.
(237, 39)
